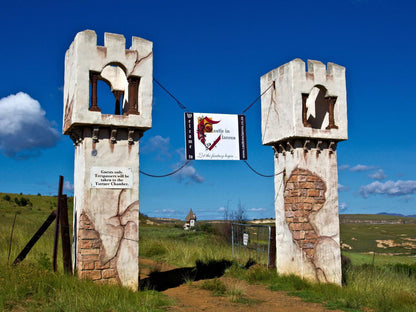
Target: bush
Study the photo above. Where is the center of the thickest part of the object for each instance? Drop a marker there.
(22, 201)
(207, 228)
(6, 197)
(215, 285)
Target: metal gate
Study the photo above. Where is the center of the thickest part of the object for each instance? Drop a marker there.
(252, 242)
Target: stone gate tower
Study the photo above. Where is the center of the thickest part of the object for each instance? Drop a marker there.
(304, 116)
(106, 179)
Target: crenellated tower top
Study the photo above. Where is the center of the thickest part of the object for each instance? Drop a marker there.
(128, 73)
(304, 104)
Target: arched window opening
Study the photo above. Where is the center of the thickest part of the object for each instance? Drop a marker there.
(318, 109)
(111, 80)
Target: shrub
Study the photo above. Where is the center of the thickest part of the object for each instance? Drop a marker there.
(215, 285)
(206, 227)
(22, 201)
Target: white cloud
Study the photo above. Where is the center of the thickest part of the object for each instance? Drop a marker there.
(378, 175)
(342, 206)
(342, 188)
(359, 168)
(389, 188)
(343, 167)
(159, 146)
(256, 209)
(188, 174)
(166, 211)
(222, 209)
(24, 130)
(68, 186)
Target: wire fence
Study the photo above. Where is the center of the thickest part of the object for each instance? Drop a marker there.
(253, 243)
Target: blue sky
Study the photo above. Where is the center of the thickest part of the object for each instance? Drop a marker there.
(210, 55)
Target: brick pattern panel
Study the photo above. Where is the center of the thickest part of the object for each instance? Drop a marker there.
(304, 194)
(88, 257)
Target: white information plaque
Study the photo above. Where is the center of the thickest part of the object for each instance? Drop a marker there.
(111, 177)
(245, 239)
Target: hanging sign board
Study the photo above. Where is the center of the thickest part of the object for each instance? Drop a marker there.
(215, 136)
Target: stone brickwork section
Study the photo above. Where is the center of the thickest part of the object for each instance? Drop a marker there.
(90, 264)
(304, 196)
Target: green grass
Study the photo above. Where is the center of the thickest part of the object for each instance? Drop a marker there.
(379, 259)
(362, 237)
(215, 286)
(31, 286)
(380, 288)
(181, 248)
(28, 220)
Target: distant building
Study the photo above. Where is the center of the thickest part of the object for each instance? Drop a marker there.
(190, 220)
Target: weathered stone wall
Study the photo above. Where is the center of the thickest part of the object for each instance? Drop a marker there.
(106, 170)
(304, 116)
(84, 57)
(307, 226)
(113, 214)
(90, 247)
(283, 114)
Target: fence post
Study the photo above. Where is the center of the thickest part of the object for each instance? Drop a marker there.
(232, 237)
(66, 244)
(58, 217)
(272, 244)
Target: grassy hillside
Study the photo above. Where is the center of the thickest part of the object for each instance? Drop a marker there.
(30, 211)
(375, 218)
(32, 286)
(381, 282)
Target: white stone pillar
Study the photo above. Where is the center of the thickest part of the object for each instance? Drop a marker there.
(303, 118)
(106, 177)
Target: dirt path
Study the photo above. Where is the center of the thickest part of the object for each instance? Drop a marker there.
(190, 298)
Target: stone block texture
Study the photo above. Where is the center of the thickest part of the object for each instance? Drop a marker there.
(90, 247)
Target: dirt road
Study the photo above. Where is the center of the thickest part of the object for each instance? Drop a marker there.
(190, 297)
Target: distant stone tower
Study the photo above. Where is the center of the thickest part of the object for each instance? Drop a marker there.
(304, 116)
(106, 178)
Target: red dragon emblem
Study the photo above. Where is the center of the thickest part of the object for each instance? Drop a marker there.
(205, 126)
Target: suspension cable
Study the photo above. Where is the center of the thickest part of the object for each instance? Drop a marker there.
(168, 174)
(259, 97)
(260, 174)
(183, 107)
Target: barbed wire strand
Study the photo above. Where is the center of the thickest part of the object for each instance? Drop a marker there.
(172, 96)
(165, 175)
